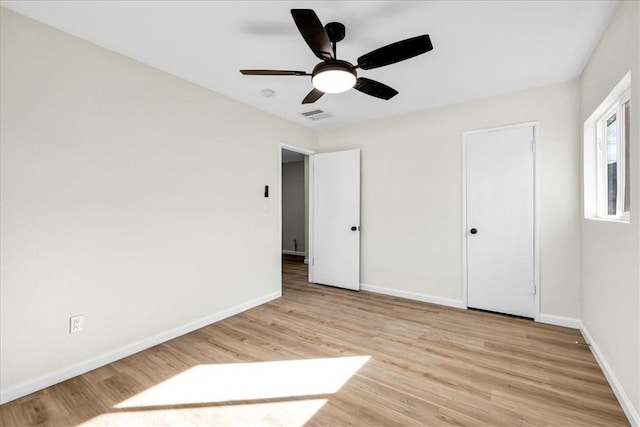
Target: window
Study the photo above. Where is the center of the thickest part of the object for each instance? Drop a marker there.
(613, 161)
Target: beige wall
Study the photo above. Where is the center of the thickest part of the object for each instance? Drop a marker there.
(411, 193)
(129, 196)
(293, 206)
(611, 251)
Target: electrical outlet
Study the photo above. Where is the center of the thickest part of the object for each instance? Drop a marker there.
(76, 324)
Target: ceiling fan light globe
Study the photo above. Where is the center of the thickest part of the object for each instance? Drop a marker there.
(334, 81)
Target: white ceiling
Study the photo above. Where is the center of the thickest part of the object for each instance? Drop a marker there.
(481, 48)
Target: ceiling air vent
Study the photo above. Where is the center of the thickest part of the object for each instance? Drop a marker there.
(316, 115)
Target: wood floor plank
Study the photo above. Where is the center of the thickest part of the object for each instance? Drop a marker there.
(425, 365)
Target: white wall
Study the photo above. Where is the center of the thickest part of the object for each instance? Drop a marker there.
(411, 193)
(611, 251)
(129, 196)
(293, 206)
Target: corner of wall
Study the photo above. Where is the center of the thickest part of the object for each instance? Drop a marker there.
(618, 390)
(609, 252)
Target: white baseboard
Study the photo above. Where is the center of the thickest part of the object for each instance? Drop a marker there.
(33, 385)
(288, 252)
(552, 319)
(306, 260)
(414, 296)
(622, 397)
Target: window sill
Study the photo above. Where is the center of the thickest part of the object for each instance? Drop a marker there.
(617, 220)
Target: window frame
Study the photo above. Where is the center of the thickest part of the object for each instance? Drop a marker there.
(602, 199)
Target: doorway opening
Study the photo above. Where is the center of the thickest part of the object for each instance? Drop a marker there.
(320, 213)
(294, 211)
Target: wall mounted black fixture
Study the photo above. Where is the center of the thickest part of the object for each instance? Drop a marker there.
(266, 191)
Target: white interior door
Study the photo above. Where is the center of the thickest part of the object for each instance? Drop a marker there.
(500, 220)
(336, 219)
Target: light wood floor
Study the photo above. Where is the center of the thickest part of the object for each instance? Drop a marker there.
(401, 362)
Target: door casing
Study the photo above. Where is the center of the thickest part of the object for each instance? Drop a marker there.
(309, 189)
(536, 210)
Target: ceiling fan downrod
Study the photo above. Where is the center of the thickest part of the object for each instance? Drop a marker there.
(336, 32)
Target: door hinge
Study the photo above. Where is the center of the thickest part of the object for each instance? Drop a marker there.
(533, 146)
(534, 289)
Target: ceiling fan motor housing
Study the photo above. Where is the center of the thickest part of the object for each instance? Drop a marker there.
(334, 64)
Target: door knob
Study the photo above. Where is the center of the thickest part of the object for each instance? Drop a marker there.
(354, 228)
(473, 231)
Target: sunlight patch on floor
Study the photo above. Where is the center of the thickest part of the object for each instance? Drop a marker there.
(286, 392)
(249, 381)
(295, 413)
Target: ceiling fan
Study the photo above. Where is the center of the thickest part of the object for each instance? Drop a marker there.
(333, 75)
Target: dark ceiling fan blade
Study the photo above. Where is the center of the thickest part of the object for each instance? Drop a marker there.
(273, 73)
(313, 32)
(395, 52)
(312, 96)
(374, 88)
